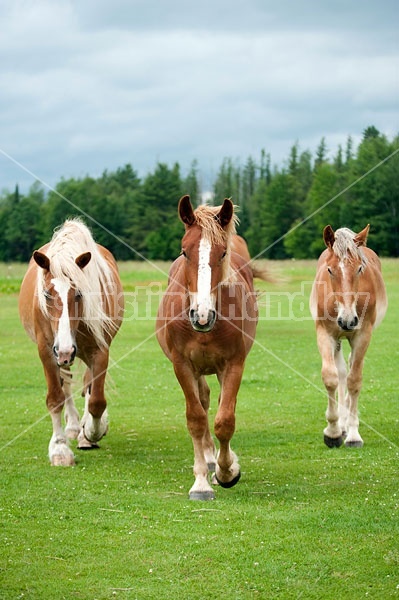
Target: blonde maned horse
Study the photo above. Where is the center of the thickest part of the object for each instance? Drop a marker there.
(206, 325)
(348, 300)
(71, 305)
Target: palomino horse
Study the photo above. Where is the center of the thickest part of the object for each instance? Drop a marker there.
(71, 305)
(347, 301)
(206, 325)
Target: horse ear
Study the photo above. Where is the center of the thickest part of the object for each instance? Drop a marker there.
(329, 236)
(225, 214)
(361, 238)
(42, 260)
(185, 210)
(83, 259)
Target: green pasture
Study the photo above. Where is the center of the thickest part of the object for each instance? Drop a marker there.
(304, 521)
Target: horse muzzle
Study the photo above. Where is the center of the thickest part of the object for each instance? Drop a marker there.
(348, 324)
(202, 323)
(66, 357)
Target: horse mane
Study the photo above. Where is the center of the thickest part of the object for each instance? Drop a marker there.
(216, 234)
(345, 248)
(93, 282)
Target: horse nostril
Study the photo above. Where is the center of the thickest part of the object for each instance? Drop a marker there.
(355, 321)
(340, 323)
(55, 350)
(74, 350)
(192, 314)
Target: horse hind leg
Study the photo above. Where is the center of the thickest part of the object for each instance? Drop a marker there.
(72, 428)
(93, 428)
(227, 470)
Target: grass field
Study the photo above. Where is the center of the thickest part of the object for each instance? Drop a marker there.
(304, 521)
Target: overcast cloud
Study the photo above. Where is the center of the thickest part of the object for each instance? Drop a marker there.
(93, 85)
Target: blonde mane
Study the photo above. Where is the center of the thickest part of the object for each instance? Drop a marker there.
(94, 282)
(216, 234)
(344, 246)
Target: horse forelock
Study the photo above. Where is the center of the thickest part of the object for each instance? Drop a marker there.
(93, 282)
(211, 228)
(345, 247)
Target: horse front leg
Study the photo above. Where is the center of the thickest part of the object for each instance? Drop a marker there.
(72, 428)
(329, 372)
(197, 425)
(95, 418)
(207, 443)
(343, 410)
(60, 454)
(227, 467)
(359, 347)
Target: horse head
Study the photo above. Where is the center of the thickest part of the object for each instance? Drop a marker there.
(62, 302)
(205, 247)
(345, 265)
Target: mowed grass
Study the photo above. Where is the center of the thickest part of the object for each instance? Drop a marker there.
(304, 521)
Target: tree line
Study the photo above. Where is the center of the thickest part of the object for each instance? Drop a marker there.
(282, 210)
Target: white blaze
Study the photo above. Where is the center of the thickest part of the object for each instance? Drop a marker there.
(204, 299)
(64, 339)
(347, 304)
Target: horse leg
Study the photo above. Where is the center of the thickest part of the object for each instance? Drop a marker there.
(342, 399)
(227, 467)
(95, 418)
(329, 373)
(207, 441)
(72, 428)
(359, 348)
(59, 452)
(197, 425)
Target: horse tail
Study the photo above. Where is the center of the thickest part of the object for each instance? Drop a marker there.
(259, 271)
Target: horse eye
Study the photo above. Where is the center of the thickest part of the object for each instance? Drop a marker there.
(47, 295)
(223, 255)
(360, 269)
(329, 269)
(78, 296)
(183, 253)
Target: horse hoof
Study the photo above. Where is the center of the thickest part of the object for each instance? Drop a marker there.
(229, 484)
(85, 444)
(206, 495)
(91, 447)
(354, 444)
(333, 442)
(62, 461)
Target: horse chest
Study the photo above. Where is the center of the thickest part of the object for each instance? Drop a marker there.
(205, 358)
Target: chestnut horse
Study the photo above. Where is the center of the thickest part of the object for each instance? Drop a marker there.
(348, 300)
(71, 305)
(206, 325)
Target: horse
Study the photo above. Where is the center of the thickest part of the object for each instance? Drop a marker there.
(348, 300)
(71, 305)
(206, 325)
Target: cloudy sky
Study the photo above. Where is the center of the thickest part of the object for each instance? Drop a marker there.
(89, 85)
